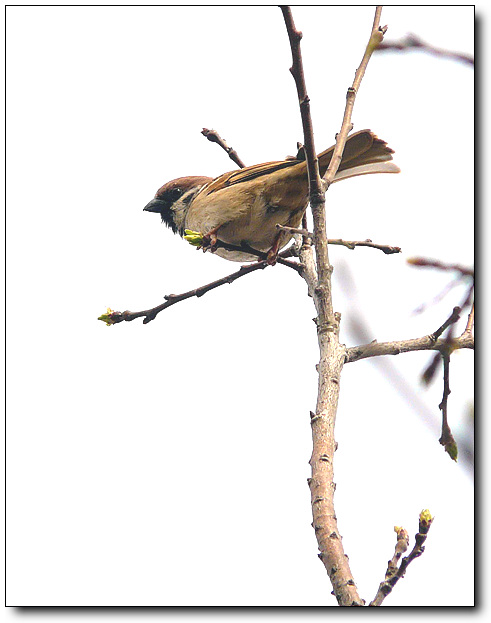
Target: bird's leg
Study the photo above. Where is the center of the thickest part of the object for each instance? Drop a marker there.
(210, 240)
(273, 252)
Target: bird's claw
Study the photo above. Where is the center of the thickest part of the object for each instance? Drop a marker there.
(272, 256)
(210, 241)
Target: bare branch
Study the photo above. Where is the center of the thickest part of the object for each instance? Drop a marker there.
(444, 348)
(377, 349)
(440, 296)
(349, 244)
(412, 41)
(375, 40)
(424, 262)
(297, 72)
(394, 573)
(114, 317)
(316, 190)
(452, 319)
(171, 299)
(352, 244)
(447, 439)
(214, 137)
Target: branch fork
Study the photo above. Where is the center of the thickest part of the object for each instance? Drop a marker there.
(395, 572)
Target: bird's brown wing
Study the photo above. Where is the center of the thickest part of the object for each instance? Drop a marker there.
(362, 147)
(247, 173)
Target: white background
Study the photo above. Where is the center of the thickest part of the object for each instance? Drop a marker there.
(166, 464)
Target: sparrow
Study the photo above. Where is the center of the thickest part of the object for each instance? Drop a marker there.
(243, 207)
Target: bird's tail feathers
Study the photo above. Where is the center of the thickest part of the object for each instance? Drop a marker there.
(367, 169)
(364, 153)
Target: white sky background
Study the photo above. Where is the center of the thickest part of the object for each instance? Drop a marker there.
(167, 464)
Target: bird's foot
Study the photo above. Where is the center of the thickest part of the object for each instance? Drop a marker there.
(210, 240)
(272, 254)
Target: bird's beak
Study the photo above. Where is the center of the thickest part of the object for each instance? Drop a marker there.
(156, 205)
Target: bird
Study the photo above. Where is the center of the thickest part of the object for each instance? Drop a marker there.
(241, 208)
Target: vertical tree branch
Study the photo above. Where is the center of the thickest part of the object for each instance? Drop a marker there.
(332, 353)
(317, 198)
(295, 36)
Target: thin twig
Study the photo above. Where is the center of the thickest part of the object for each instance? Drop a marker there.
(402, 545)
(352, 244)
(430, 371)
(447, 439)
(375, 40)
(115, 317)
(440, 296)
(452, 319)
(349, 244)
(214, 137)
(394, 573)
(424, 262)
(411, 42)
(444, 347)
(261, 255)
(171, 299)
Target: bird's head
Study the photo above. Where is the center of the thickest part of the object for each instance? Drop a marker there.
(173, 199)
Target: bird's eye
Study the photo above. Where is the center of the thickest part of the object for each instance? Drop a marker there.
(175, 193)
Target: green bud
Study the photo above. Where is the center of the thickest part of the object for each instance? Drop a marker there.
(107, 317)
(193, 237)
(452, 450)
(425, 520)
